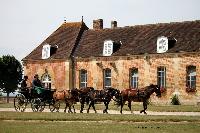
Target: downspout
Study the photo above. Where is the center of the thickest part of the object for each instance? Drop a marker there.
(73, 70)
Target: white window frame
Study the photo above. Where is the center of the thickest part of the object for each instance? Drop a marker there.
(46, 51)
(46, 80)
(83, 83)
(107, 77)
(191, 74)
(108, 48)
(161, 76)
(134, 77)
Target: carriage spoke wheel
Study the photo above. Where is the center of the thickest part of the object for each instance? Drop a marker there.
(54, 105)
(37, 105)
(20, 103)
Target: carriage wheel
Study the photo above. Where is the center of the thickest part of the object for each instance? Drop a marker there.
(37, 105)
(54, 105)
(20, 103)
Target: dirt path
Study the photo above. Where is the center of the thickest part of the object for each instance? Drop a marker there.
(117, 112)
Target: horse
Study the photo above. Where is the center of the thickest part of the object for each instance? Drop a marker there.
(83, 95)
(138, 95)
(104, 95)
(70, 97)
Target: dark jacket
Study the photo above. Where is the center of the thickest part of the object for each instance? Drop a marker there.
(24, 84)
(36, 83)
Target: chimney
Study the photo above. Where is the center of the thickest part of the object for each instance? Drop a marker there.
(113, 24)
(98, 24)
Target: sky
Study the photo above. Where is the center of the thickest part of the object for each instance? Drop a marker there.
(25, 24)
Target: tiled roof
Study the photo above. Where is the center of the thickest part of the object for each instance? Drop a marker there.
(65, 37)
(141, 39)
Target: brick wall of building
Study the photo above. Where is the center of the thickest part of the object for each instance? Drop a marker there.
(58, 71)
(147, 65)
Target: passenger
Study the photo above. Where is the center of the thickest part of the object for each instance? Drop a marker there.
(36, 82)
(37, 85)
(23, 83)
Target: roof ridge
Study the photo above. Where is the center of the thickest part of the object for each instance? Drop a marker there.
(71, 24)
(142, 25)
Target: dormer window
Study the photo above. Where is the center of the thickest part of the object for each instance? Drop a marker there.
(108, 48)
(162, 44)
(46, 51)
(111, 47)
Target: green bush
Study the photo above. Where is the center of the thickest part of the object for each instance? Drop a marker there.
(175, 100)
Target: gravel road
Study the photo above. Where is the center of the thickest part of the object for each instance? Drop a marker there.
(117, 112)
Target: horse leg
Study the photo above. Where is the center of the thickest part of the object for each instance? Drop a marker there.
(66, 104)
(82, 106)
(70, 107)
(93, 107)
(129, 105)
(89, 107)
(74, 109)
(70, 111)
(105, 110)
(145, 107)
(122, 104)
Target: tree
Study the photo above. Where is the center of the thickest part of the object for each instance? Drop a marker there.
(10, 74)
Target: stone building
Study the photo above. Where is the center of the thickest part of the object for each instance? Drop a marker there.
(166, 54)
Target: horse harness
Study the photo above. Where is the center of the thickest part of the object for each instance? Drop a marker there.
(140, 94)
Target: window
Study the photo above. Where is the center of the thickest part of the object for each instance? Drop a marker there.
(191, 77)
(46, 80)
(46, 51)
(134, 78)
(161, 77)
(83, 78)
(107, 78)
(162, 44)
(108, 48)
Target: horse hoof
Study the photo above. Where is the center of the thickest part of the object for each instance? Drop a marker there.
(140, 111)
(81, 111)
(145, 113)
(132, 112)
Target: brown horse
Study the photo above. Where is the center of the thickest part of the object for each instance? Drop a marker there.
(83, 95)
(137, 95)
(105, 95)
(70, 97)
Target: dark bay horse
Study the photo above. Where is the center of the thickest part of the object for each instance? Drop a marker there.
(137, 95)
(70, 97)
(104, 95)
(83, 95)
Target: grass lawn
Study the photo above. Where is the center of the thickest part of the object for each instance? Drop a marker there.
(13, 122)
(135, 107)
(96, 127)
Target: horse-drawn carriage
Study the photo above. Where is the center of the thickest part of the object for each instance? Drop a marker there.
(88, 95)
(38, 101)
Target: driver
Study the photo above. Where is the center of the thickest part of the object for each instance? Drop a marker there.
(37, 85)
